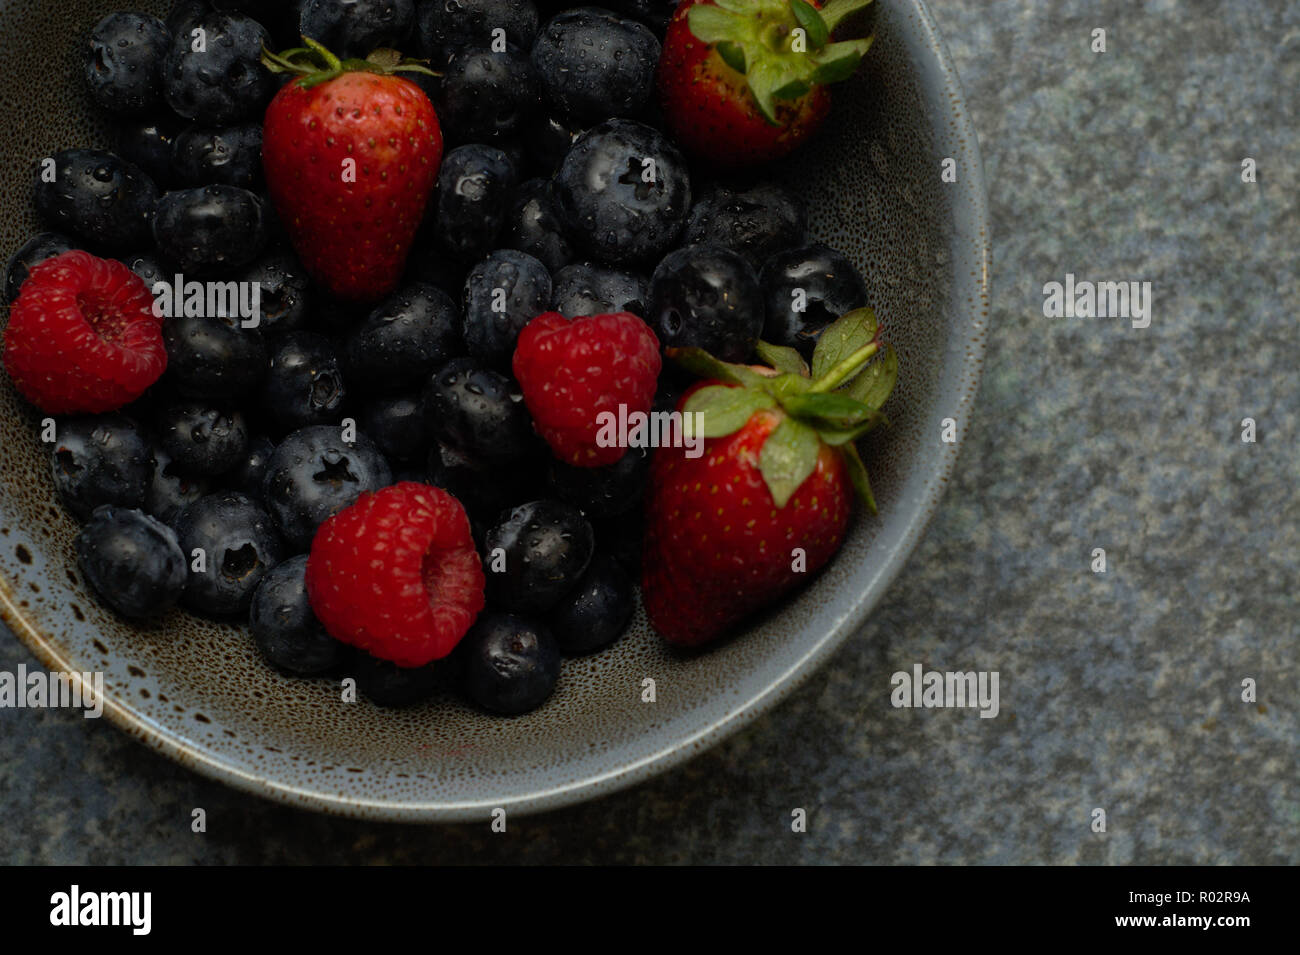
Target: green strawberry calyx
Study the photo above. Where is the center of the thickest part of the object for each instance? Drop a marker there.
(783, 48)
(833, 403)
(314, 64)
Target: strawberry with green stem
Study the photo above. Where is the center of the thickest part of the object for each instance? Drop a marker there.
(745, 81)
(351, 151)
(767, 502)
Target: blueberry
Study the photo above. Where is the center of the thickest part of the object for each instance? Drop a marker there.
(706, 297)
(283, 297)
(446, 26)
(148, 144)
(183, 13)
(231, 155)
(606, 491)
(132, 561)
(283, 626)
(124, 62)
(213, 357)
(396, 425)
(409, 335)
(478, 411)
(595, 613)
(203, 439)
(386, 684)
(503, 293)
(533, 227)
(210, 230)
(239, 546)
(147, 266)
(817, 277)
(756, 222)
(42, 246)
(103, 199)
(304, 385)
(170, 489)
(474, 186)
(313, 474)
(517, 153)
(545, 548)
(224, 82)
(486, 96)
(510, 664)
(356, 27)
(249, 474)
(653, 13)
(100, 459)
(594, 65)
(623, 192)
(588, 289)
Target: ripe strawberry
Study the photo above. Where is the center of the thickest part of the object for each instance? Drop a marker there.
(767, 501)
(83, 336)
(351, 153)
(396, 574)
(573, 372)
(744, 81)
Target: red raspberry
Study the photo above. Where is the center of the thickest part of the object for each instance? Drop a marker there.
(573, 370)
(83, 336)
(396, 574)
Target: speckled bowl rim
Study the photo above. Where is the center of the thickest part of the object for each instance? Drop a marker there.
(973, 258)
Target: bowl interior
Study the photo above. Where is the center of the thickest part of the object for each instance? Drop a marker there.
(198, 690)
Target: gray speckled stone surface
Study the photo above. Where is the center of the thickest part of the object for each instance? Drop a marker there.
(1119, 691)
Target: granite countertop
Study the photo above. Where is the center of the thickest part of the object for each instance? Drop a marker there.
(1120, 690)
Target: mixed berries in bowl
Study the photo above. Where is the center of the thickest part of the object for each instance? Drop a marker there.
(422, 338)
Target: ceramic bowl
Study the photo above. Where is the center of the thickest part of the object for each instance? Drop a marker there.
(198, 692)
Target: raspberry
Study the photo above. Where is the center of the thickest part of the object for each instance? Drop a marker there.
(82, 336)
(571, 371)
(396, 574)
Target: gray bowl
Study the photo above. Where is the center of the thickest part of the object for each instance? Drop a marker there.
(198, 692)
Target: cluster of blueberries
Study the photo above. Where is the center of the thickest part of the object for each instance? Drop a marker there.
(557, 191)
